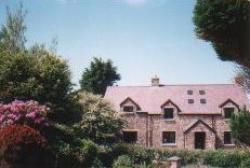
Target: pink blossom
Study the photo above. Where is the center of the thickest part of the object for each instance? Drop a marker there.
(23, 112)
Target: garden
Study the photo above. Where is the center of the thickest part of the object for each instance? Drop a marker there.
(46, 123)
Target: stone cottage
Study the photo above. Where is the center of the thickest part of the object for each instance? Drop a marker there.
(178, 116)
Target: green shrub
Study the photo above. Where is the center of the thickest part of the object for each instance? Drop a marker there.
(187, 157)
(245, 163)
(221, 158)
(82, 154)
(141, 155)
(123, 161)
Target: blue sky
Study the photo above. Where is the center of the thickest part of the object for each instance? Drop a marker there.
(142, 37)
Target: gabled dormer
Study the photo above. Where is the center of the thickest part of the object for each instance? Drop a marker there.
(129, 105)
(169, 110)
(228, 108)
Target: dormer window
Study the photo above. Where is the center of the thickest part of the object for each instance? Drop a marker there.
(128, 108)
(168, 113)
(190, 92)
(228, 112)
(129, 105)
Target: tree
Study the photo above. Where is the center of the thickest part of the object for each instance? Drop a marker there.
(37, 75)
(98, 76)
(226, 25)
(240, 126)
(12, 39)
(99, 121)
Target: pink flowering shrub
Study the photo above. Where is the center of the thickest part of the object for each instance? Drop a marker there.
(20, 112)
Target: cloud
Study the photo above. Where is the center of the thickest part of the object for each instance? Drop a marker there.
(136, 2)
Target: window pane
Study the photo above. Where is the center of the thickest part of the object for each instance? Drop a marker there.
(168, 137)
(201, 92)
(128, 108)
(190, 92)
(203, 101)
(130, 137)
(190, 101)
(169, 113)
(227, 138)
(228, 112)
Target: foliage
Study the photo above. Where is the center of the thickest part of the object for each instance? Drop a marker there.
(142, 156)
(224, 24)
(123, 161)
(224, 159)
(22, 146)
(41, 76)
(99, 121)
(35, 73)
(98, 76)
(187, 157)
(19, 112)
(245, 163)
(12, 39)
(240, 126)
(81, 154)
(215, 158)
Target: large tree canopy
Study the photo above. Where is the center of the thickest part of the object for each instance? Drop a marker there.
(33, 73)
(98, 76)
(226, 24)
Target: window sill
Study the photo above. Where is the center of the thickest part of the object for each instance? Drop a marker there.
(126, 113)
(229, 145)
(169, 120)
(169, 144)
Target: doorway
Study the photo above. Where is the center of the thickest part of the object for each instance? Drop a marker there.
(200, 138)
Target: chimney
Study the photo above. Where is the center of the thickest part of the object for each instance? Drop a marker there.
(155, 81)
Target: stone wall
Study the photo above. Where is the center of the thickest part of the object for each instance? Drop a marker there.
(149, 129)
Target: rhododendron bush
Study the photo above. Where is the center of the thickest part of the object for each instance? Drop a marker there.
(20, 112)
(23, 146)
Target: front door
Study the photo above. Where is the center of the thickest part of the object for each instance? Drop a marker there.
(200, 138)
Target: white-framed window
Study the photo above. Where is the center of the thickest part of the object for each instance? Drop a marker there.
(168, 113)
(168, 137)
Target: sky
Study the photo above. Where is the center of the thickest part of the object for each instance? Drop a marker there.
(143, 38)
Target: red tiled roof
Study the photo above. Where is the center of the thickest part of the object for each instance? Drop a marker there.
(151, 98)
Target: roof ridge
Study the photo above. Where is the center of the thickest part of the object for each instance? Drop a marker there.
(174, 85)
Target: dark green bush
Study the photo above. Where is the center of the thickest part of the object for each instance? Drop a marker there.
(83, 154)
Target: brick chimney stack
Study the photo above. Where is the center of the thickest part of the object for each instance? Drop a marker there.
(155, 81)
